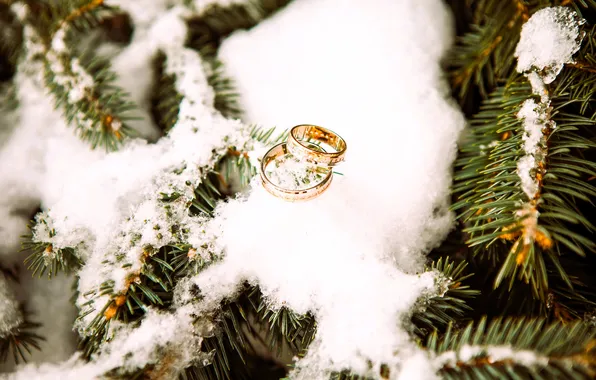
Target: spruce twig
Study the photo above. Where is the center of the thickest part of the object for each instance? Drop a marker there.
(516, 348)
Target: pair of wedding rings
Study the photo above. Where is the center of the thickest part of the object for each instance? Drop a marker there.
(306, 143)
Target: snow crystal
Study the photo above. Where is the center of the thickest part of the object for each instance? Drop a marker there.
(548, 41)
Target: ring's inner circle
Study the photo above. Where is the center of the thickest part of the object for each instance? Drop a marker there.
(288, 172)
(312, 134)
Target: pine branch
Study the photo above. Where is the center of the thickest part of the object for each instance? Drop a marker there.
(165, 102)
(21, 339)
(237, 165)
(516, 348)
(448, 306)
(483, 57)
(217, 22)
(84, 89)
(44, 256)
(490, 199)
(150, 286)
(485, 54)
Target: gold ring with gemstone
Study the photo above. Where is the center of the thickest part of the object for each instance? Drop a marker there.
(290, 195)
(304, 134)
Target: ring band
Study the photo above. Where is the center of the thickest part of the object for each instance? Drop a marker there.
(302, 133)
(287, 194)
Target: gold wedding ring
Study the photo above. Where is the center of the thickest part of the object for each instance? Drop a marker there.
(280, 150)
(303, 134)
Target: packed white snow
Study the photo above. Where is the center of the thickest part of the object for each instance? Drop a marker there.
(348, 256)
(351, 256)
(548, 41)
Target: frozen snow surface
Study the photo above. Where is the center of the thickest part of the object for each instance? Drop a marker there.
(367, 70)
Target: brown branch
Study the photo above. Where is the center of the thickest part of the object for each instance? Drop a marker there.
(522, 10)
(583, 66)
(93, 4)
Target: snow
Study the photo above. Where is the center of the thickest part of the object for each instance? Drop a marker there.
(362, 239)
(289, 75)
(534, 118)
(548, 41)
(202, 6)
(493, 353)
(351, 256)
(289, 172)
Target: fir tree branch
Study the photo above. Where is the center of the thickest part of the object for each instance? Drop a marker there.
(20, 341)
(483, 57)
(17, 331)
(442, 309)
(485, 54)
(218, 21)
(539, 228)
(84, 90)
(44, 255)
(516, 348)
(151, 277)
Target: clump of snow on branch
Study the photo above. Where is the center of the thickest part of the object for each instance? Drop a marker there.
(204, 5)
(535, 117)
(548, 41)
(494, 353)
(350, 255)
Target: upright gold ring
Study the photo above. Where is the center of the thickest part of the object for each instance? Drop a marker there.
(302, 134)
(289, 194)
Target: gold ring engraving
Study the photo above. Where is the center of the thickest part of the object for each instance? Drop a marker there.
(290, 195)
(304, 134)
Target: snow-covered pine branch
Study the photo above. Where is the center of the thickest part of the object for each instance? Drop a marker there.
(509, 184)
(85, 93)
(548, 41)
